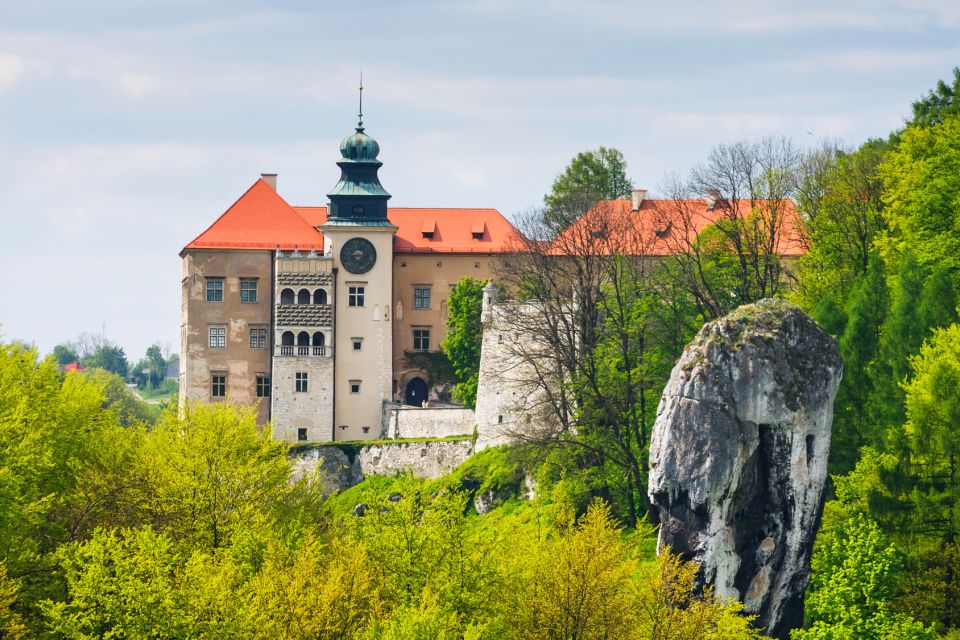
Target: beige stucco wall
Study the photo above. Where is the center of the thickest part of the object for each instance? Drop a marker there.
(440, 271)
(358, 415)
(238, 360)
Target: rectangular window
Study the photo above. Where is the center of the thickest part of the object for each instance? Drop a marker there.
(355, 294)
(263, 385)
(421, 339)
(218, 337)
(214, 289)
(258, 337)
(357, 343)
(301, 382)
(354, 386)
(218, 385)
(302, 433)
(421, 297)
(248, 290)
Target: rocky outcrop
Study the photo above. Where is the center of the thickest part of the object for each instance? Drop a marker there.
(341, 466)
(738, 455)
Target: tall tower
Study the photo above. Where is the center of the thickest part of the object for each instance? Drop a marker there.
(360, 239)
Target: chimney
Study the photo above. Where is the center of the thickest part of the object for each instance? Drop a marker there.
(713, 196)
(270, 179)
(637, 198)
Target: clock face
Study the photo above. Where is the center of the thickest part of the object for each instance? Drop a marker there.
(358, 255)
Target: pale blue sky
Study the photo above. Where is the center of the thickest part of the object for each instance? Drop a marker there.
(127, 127)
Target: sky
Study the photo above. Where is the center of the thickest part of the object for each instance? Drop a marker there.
(127, 127)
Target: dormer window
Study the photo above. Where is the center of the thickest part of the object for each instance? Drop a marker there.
(429, 228)
(477, 229)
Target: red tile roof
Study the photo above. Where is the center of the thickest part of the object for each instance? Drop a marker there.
(261, 219)
(452, 230)
(660, 227)
(74, 366)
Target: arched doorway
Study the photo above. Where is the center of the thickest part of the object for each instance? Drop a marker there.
(416, 392)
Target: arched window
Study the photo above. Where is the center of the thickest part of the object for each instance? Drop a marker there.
(286, 343)
(287, 296)
(303, 343)
(319, 297)
(303, 296)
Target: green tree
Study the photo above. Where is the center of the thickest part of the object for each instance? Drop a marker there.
(938, 301)
(464, 335)
(120, 584)
(109, 357)
(52, 429)
(151, 369)
(582, 587)
(64, 354)
(841, 221)
(901, 336)
(593, 175)
(854, 422)
(940, 103)
(11, 624)
(211, 472)
(312, 592)
(922, 195)
(854, 582)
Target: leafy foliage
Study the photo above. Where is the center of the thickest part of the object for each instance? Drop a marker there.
(464, 335)
(939, 103)
(853, 585)
(599, 174)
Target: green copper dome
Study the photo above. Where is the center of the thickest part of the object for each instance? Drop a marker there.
(358, 197)
(359, 147)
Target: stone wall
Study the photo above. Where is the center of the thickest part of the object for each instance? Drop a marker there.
(510, 400)
(427, 422)
(344, 466)
(312, 410)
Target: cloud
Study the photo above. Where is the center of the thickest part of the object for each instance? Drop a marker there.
(12, 69)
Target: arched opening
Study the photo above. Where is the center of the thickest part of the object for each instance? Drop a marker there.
(319, 297)
(319, 344)
(286, 343)
(303, 343)
(303, 296)
(287, 296)
(416, 392)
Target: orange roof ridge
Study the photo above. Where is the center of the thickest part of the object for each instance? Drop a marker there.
(221, 216)
(261, 219)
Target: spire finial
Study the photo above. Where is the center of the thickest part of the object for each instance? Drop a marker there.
(360, 121)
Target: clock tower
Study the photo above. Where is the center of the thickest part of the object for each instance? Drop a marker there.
(359, 236)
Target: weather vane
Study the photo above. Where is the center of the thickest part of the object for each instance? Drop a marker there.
(360, 121)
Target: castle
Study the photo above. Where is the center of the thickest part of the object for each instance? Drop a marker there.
(308, 311)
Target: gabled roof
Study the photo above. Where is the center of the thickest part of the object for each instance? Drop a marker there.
(259, 219)
(660, 227)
